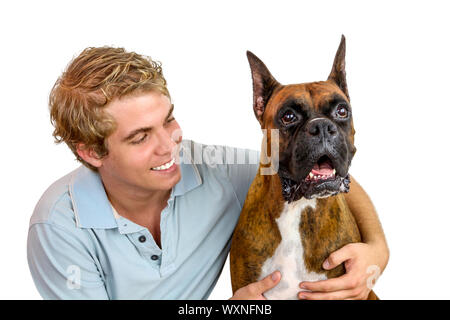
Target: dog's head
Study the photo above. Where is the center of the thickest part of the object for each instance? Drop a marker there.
(316, 134)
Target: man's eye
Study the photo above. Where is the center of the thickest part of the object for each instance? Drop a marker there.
(144, 136)
(288, 118)
(170, 120)
(342, 111)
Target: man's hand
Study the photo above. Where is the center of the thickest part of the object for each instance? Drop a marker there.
(363, 264)
(255, 290)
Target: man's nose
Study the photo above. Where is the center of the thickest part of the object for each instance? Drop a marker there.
(321, 128)
(166, 143)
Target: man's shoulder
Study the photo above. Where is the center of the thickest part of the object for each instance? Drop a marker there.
(55, 205)
(224, 165)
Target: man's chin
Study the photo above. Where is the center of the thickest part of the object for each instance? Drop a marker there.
(166, 180)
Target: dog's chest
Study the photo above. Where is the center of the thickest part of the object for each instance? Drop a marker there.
(288, 257)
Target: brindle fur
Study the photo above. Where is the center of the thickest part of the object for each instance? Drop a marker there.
(256, 236)
(324, 230)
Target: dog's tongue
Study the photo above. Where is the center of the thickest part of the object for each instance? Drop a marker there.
(325, 168)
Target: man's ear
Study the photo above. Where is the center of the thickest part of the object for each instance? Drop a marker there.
(263, 85)
(89, 155)
(337, 74)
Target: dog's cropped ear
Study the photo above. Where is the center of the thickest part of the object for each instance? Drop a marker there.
(337, 74)
(263, 85)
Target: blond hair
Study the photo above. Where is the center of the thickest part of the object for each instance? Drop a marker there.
(93, 79)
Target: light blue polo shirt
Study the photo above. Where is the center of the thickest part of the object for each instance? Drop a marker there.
(78, 249)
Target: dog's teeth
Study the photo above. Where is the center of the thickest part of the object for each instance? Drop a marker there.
(334, 171)
(311, 175)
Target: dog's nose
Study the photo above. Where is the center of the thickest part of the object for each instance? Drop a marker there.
(321, 127)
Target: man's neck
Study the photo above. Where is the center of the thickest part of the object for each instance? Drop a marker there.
(138, 205)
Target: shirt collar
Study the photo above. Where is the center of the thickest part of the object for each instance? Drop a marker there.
(190, 177)
(91, 205)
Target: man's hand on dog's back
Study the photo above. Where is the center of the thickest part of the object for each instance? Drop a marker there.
(255, 290)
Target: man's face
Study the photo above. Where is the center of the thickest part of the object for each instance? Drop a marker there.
(142, 146)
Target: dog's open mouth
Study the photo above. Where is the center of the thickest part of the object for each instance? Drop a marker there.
(322, 170)
(322, 181)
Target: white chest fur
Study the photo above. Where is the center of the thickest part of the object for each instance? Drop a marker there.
(288, 257)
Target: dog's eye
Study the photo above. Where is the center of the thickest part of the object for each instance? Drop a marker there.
(342, 111)
(288, 118)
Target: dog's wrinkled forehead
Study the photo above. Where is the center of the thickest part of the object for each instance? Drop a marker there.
(316, 97)
(268, 92)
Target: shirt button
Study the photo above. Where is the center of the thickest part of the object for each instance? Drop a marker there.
(142, 239)
(154, 257)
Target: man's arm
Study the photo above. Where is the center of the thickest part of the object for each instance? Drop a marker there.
(367, 219)
(363, 262)
(61, 265)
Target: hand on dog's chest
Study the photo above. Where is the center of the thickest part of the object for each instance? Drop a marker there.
(288, 258)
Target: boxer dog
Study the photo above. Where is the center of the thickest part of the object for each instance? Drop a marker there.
(293, 220)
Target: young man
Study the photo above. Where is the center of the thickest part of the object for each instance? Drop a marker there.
(140, 219)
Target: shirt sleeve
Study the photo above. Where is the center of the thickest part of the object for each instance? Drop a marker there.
(62, 264)
(241, 170)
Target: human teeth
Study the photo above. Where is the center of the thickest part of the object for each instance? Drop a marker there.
(165, 166)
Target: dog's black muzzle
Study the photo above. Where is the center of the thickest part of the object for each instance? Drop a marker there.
(317, 147)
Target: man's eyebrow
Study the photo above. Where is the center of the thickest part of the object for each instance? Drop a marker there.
(135, 132)
(144, 129)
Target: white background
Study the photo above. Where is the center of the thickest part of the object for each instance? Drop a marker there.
(398, 76)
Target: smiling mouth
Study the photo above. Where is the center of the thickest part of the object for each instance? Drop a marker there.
(164, 166)
(322, 181)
